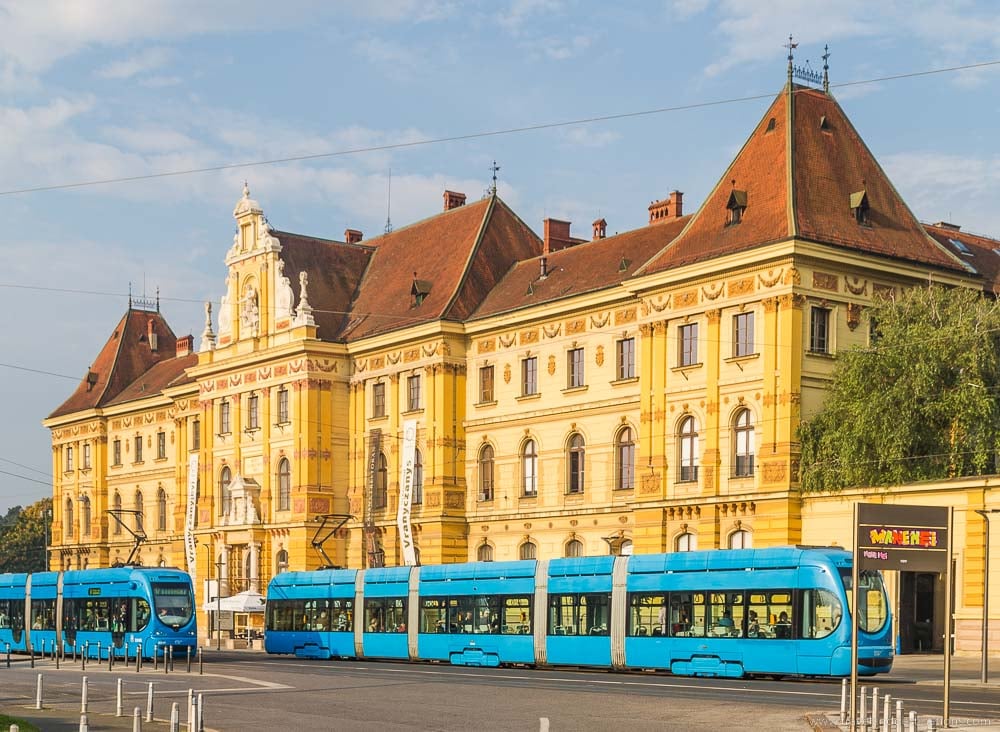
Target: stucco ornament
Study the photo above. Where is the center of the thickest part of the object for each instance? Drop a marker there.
(283, 294)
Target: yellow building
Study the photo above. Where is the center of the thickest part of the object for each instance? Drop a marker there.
(640, 392)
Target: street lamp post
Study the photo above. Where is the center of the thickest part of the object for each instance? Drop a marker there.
(986, 513)
(46, 520)
(218, 605)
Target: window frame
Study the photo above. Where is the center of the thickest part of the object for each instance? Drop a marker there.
(284, 484)
(529, 469)
(687, 450)
(161, 509)
(743, 334)
(253, 412)
(486, 462)
(196, 433)
(529, 376)
(137, 457)
(413, 402)
(282, 398)
(819, 329)
(380, 493)
(225, 425)
(625, 358)
(161, 445)
(687, 344)
(575, 368)
(225, 497)
(487, 384)
(625, 459)
(576, 459)
(69, 458)
(417, 496)
(116, 451)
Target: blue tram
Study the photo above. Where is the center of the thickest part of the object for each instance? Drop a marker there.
(123, 610)
(729, 613)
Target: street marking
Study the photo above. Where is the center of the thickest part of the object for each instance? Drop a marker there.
(543, 724)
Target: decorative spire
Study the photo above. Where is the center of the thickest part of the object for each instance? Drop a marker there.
(207, 335)
(494, 168)
(246, 187)
(826, 69)
(130, 295)
(791, 47)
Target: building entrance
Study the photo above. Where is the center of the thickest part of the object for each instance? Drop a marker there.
(917, 606)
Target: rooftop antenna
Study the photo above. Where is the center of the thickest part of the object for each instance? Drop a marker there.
(791, 47)
(494, 168)
(130, 294)
(388, 205)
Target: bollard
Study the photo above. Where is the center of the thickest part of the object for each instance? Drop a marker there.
(149, 703)
(119, 710)
(175, 718)
(84, 726)
(913, 722)
(38, 692)
(192, 727)
(74, 653)
(201, 662)
(83, 697)
(899, 716)
(930, 725)
(199, 717)
(189, 659)
(886, 712)
(8, 655)
(156, 659)
(111, 658)
(166, 661)
(136, 720)
(31, 650)
(863, 706)
(138, 658)
(15, 728)
(56, 657)
(874, 709)
(843, 701)
(99, 648)
(128, 658)
(83, 656)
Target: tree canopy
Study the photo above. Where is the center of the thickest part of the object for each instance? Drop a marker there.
(920, 402)
(22, 538)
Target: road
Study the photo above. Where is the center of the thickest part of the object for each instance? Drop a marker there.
(253, 691)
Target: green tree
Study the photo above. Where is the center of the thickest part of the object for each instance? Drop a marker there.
(919, 403)
(22, 537)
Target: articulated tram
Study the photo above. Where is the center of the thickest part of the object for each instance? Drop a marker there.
(727, 613)
(122, 610)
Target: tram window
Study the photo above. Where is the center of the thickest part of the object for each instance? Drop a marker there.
(821, 613)
(687, 614)
(142, 613)
(317, 615)
(579, 614)
(433, 615)
(43, 614)
(173, 603)
(342, 614)
(774, 613)
(385, 615)
(4, 613)
(283, 614)
(726, 614)
(648, 615)
(873, 612)
(516, 615)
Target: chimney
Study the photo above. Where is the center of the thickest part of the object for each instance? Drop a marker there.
(453, 200)
(151, 335)
(185, 345)
(353, 236)
(557, 235)
(543, 269)
(600, 229)
(668, 209)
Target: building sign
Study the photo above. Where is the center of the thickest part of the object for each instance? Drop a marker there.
(190, 545)
(907, 538)
(406, 492)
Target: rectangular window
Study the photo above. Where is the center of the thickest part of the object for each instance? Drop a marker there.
(116, 452)
(69, 458)
(626, 358)
(819, 330)
(687, 336)
(378, 399)
(529, 376)
(161, 445)
(196, 434)
(743, 344)
(575, 367)
(224, 417)
(138, 449)
(86, 456)
(486, 393)
(413, 393)
(579, 614)
(253, 412)
(385, 615)
(283, 406)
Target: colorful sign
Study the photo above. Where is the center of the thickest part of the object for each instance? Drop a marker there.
(901, 537)
(190, 545)
(406, 492)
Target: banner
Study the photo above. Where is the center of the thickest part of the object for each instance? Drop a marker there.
(374, 450)
(190, 545)
(408, 457)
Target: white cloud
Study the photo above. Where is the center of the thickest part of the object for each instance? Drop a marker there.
(686, 8)
(146, 60)
(518, 12)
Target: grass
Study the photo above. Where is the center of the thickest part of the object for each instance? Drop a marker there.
(6, 722)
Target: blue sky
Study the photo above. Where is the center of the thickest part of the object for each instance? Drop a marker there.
(105, 89)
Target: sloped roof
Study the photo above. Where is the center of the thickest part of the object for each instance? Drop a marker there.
(799, 169)
(125, 356)
(983, 252)
(335, 270)
(583, 268)
(462, 253)
(157, 378)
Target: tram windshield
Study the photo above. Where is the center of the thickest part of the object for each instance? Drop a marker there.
(172, 603)
(874, 610)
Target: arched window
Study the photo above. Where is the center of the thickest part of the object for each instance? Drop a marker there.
(741, 539)
(529, 469)
(68, 518)
(117, 504)
(527, 550)
(381, 495)
(576, 452)
(161, 510)
(225, 478)
(484, 553)
(418, 477)
(574, 548)
(84, 516)
(486, 473)
(687, 542)
(687, 439)
(625, 460)
(281, 561)
(138, 511)
(284, 485)
(743, 444)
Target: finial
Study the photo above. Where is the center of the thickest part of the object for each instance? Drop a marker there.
(246, 190)
(790, 46)
(157, 299)
(130, 295)
(826, 69)
(494, 168)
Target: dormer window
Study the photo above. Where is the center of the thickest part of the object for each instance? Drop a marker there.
(859, 207)
(419, 291)
(736, 206)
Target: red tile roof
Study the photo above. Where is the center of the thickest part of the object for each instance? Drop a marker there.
(587, 267)
(983, 252)
(157, 378)
(798, 175)
(124, 357)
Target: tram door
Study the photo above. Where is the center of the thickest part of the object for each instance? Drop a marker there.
(917, 611)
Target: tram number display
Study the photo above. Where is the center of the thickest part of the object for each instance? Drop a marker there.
(94, 591)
